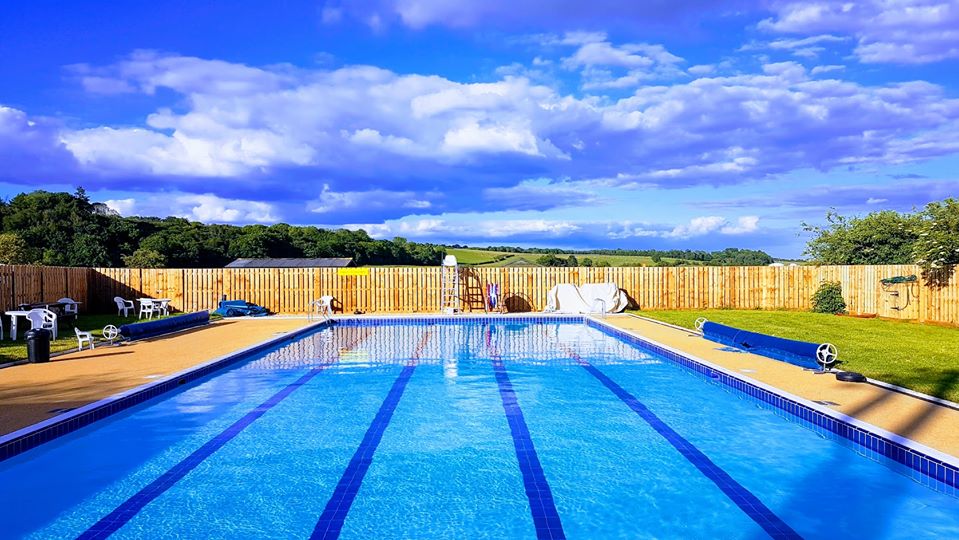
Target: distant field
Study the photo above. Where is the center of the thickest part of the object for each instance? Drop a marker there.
(479, 257)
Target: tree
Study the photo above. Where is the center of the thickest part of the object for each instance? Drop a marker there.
(884, 237)
(937, 242)
(145, 258)
(550, 260)
(13, 250)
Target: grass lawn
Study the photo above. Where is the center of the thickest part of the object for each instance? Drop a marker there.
(17, 350)
(918, 356)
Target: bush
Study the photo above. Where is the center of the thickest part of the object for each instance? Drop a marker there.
(828, 298)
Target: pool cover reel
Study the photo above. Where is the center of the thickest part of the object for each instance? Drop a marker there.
(164, 326)
(800, 353)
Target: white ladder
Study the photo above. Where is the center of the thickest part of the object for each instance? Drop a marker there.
(450, 299)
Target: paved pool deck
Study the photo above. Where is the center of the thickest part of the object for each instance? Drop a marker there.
(931, 424)
(30, 393)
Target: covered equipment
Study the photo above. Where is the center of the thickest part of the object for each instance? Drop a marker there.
(589, 298)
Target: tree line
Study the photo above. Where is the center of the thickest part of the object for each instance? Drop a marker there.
(928, 237)
(63, 229)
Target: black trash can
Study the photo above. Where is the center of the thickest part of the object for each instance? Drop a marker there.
(38, 345)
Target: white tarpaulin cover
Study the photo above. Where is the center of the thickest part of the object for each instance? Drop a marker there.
(589, 298)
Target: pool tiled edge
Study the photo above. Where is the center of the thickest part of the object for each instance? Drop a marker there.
(24, 439)
(929, 466)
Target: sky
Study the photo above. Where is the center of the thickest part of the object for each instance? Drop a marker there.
(679, 124)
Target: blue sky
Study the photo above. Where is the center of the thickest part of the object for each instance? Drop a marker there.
(661, 124)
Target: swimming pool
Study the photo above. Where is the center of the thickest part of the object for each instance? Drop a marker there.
(473, 429)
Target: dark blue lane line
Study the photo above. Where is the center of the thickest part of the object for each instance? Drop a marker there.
(331, 520)
(742, 497)
(123, 513)
(112, 522)
(541, 504)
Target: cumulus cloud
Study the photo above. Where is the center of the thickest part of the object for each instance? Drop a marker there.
(808, 47)
(905, 31)
(282, 134)
(207, 208)
(466, 228)
(30, 148)
(420, 14)
(859, 197)
(700, 226)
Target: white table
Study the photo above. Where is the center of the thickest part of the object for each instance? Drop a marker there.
(156, 304)
(14, 315)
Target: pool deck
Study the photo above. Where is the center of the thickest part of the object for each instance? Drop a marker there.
(30, 393)
(931, 424)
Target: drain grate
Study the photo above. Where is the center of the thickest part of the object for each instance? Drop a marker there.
(826, 402)
(60, 410)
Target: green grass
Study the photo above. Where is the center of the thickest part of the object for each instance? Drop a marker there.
(922, 357)
(17, 350)
(479, 257)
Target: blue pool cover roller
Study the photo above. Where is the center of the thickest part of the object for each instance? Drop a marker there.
(800, 353)
(240, 308)
(164, 326)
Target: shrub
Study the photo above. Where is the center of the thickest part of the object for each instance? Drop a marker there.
(828, 298)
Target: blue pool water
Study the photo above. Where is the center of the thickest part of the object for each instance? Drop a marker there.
(474, 430)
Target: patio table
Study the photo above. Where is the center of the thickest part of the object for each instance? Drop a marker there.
(14, 315)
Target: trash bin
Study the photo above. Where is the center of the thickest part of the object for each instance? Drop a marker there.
(38, 345)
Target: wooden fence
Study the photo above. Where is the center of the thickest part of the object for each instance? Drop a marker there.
(417, 289)
(31, 284)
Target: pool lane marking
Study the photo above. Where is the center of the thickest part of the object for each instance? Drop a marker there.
(116, 519)
(541, 504)
(330, 523)
(737, 493)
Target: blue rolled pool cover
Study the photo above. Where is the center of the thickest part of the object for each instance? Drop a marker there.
(800, 353)
(164, 326)
(240, 308)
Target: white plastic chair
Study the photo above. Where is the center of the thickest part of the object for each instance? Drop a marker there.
(43, 318)
(123, 306)
(84, 337)
(162, 307)
(147, 307)
(69, 306)
(323, 306)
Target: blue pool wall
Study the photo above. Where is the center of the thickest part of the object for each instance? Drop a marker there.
(931, 471)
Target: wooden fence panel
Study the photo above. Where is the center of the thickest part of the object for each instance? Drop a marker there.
(417, 289)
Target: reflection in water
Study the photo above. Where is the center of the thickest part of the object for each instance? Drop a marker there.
(450, 346)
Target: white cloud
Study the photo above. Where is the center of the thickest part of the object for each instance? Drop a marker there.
(698, 226)
(124, 207)
(505, 228)
(901, 31)
(207, 208)
(826, 69)
(332, 202)
(744, 225)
